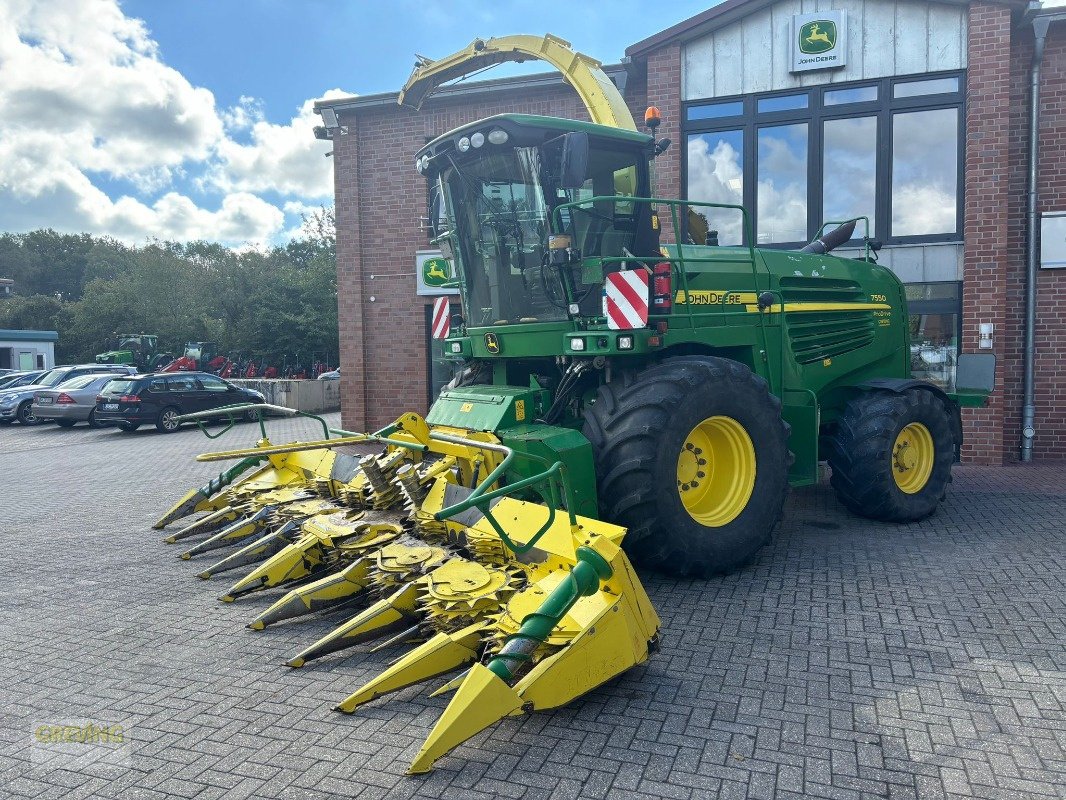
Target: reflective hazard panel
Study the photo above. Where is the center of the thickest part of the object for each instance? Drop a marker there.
(625, 299)
(442, 319)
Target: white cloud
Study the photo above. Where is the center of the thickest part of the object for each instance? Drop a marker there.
(282, 158)
(85, 95)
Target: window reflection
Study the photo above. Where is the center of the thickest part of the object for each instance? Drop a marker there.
(716, 110)
(789, 102)
(782, 184)
(859, 94)
(716, 175)
(917, 88)
(849, 170)
(925, 167)
(934, 348)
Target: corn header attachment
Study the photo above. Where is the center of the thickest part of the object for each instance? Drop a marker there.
(461, 544)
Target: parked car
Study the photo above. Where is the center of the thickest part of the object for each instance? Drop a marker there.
(160, 398)
(72, 401)
(332, 375)
(15, 379)
(17, 403)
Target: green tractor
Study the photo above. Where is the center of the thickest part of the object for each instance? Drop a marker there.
(704, 380)
(137, 349)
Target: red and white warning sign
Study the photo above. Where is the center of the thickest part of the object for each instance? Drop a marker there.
(625, 299)
(442, 318)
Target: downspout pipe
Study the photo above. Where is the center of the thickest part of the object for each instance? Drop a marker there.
(1040, 28)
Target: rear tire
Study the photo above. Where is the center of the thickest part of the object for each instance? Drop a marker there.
(65, 423)
(92, 420)
(891, 455)
(692, 457)
(128, 427)
(25, 414)
(167, 421)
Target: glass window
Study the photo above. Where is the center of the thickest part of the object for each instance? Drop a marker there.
(119, 387)
(849, 169)
(157, 385)
(182, 384)
(716, 110)
(79, 383)
(716, 175)
(917, 88)
(858, 94)
(925, 172)
(788, 102)
(782, 184)
(934, 348)
(209, 383)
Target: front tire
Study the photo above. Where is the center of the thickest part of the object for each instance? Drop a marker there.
(65, 423)
(692, 457)
(891, 455)
(167, 421)
(128, 427)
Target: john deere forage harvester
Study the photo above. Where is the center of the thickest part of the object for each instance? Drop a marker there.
(672, 390)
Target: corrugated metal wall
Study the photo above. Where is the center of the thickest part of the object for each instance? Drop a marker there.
(884, 38)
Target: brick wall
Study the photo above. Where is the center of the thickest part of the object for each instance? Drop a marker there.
(664, 92)
(988, 93)
(995, 228)
(380, 197)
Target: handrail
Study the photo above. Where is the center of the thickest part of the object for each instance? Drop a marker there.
(480, 497)
(231, 411)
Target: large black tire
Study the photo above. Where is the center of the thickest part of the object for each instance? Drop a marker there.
(638, 427)
(866, 455)
(128, 427)
(25, 414)
(65, 423)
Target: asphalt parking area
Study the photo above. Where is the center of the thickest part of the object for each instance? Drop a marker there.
(853, 659)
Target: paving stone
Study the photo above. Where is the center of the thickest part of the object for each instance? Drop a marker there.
(853, 659)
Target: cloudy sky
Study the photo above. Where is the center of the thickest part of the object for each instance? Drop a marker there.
(144, 119)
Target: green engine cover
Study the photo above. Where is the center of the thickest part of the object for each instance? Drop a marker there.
(487, 408)
(509, 413)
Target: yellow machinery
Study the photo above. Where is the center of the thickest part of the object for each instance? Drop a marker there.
(432, 541)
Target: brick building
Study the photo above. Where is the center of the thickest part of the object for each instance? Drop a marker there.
(924, 127)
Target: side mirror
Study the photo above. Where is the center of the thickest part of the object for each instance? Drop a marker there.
(574, 161)
(976, 372)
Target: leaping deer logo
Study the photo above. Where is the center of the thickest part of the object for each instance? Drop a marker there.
(435, 271)
(818, 37)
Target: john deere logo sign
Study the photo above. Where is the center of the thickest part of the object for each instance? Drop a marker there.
(818, 36)
(818, 40)
(433, 272)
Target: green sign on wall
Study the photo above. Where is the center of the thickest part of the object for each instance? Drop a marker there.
(818, 36)
(432, 273)
(819, 40)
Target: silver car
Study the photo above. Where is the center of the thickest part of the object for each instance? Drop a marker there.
(72, 401)
(17, 404)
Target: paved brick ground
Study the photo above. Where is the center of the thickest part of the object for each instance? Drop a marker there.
(852, 660)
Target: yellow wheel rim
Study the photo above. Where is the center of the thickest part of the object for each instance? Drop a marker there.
(716, 471)
(912, 458)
